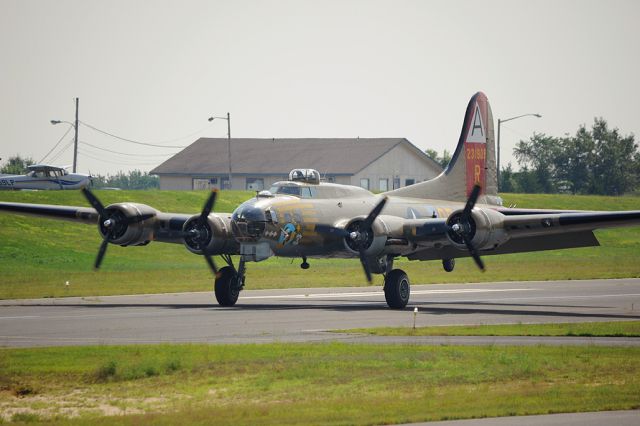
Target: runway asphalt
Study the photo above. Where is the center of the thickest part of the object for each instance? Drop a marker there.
(306, 315)
(617, 418)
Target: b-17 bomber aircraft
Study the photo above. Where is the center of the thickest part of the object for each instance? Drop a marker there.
(44, 176)
(457, 214)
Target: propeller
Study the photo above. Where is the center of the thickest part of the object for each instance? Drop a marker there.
(114, 222)
(200, 232)
(462, 228)
(465, 219)
(360, 235)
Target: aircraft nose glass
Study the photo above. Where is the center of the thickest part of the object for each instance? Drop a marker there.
(249, 221)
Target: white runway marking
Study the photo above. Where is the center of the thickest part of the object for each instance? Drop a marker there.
(595, 296)
(21, 317)
(379, 293)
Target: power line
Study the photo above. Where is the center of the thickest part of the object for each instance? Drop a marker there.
(55, 157)
(125, 153)
(117, 162)
(144, 143)
(99, 154)
(56, 145)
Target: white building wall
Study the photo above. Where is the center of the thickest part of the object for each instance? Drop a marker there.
(175, 182)
(185, 183)
(401, 162)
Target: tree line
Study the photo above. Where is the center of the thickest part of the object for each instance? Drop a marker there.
(599, 160)
(134, 179)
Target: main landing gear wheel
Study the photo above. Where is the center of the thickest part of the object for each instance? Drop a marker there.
(397, 289)
(227, 287)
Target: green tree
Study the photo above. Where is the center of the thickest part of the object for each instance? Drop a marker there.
(537, 156)
(527, 181)
(134, 179)
(594, 161)
(443, 161)
(574, 163)
(507, 179)
(16, 165)
(614, 171)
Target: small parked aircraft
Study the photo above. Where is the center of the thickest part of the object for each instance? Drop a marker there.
(43, 176)
(457, 214)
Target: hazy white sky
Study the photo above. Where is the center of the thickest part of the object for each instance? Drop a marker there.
(153, 71)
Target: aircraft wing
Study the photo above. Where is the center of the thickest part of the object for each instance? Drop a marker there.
(46, 167)
(561, 223)
(166, 227)
(524, 231)
(70, 213)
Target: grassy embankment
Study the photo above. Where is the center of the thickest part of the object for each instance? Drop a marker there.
(584, 329)
(310, 383)
(37, 256)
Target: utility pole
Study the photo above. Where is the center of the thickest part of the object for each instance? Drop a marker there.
(75, 141)
(498, 159)
(228, 118)
(229, 138)
(499, 123)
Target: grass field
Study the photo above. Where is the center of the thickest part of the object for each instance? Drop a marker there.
(310, 383)
(38, 256)
(584, 329)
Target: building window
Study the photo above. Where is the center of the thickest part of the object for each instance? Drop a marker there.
(383, 185)
(205, 183)
(408, 182)
(331, 179)
(396, 183)
(255, 184)
(364, 183)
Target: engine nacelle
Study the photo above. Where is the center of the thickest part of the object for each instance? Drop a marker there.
(134, 224)
(485, 228)
(214, 237)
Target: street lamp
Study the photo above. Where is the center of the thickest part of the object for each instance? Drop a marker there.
(499, 123)
(228, 118)
(75, 140)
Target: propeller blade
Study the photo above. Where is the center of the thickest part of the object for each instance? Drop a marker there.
(366, 224)
(365, 266)
(211, 263)
(208, 206)
(473, 197)
(331, 230)
(474, 254)
(101, 252)
(95, 203)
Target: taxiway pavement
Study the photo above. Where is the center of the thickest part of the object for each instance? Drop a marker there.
(305, 315)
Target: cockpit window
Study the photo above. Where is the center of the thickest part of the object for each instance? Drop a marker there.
(308, 192)
(298, 191)
(289, 190)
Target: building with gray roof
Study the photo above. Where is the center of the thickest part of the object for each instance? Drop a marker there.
(377, 164)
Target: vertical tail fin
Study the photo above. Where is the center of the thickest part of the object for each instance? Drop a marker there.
(473, 162)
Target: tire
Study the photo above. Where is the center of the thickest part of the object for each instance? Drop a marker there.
(226, 287)
(448, 264)
(397, 289)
